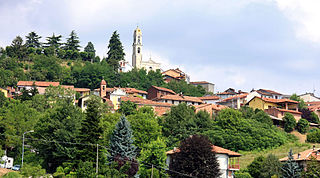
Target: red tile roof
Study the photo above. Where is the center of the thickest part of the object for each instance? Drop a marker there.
(213, 97)
(313, 103)
(103, 82)
(268, 92)
(235, 97)
(81, 89)
(67, 86)
(37, 83)
(179, 98)
(139, 100)
(305, 155)
(216, 149)
(164, 89)
(288, 110)
(314, 107)
(271, 100)
(127, 90)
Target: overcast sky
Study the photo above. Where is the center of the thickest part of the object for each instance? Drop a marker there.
(244, 44)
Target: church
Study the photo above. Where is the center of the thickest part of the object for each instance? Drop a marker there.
(137, 54)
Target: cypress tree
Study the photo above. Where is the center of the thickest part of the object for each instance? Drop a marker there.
(291, 169)
(195, 158)
(72, 42)
(115, 53)
(33, 40)
(121, 147)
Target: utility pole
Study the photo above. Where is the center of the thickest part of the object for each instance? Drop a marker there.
(23, 146)
(97, 166)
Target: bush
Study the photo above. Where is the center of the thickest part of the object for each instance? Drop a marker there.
(12, 175)
(289, 122)
(314, 137)
(34, 171)
(314, 118)
(303, 126)
(242, 175)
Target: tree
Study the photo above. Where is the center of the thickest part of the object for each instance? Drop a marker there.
(185, 88)
(60, 124)
(54, 41)
(115, 53)
(313, 169)
(32, 171)
(289, 122)
(33, 40)
(121, 149)
(314, 118)
(302, 126)
(255, 168)
(195, 158)
(314, 137)
(263, 117)
(128, 108)
(91, 129)
(291, 169)
(17, 49)
(72, 42)
(271, 166)
(178, 124)
(89, 49)
(301, 104)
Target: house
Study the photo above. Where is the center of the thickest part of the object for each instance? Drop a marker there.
(209, 87)
(304, 157)
(263, 93)
(235, 101)
(159, 108)
(314, 106)
(228, 160)
(156, 92)
(229, 92)
(5, 92)
(6, 162)
(275, 107)
(124, 66)
(211, 99)
(39, 85)
(309, 97)
(175, 74)
(82, 91)
(83, 102)
(212, 109)
(178, 98)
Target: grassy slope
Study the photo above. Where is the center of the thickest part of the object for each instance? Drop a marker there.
(280, 152)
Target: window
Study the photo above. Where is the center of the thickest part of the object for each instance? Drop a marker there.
(192, 103)
(138, 49)
(103, 88)
(166, 101)
(172, 102)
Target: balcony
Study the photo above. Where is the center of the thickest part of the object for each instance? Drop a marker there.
(234, 163)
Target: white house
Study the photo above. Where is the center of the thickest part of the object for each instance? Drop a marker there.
(6, 162)
(309, 97)
(228, 160)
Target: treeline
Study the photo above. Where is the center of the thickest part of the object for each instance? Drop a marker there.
(65, 138)
(54, 60)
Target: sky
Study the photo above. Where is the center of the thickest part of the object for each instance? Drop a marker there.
(242, 44)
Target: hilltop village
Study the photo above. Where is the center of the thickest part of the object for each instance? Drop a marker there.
(81, 114)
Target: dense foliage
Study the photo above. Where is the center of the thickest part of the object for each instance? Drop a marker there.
(289, 122)
(303, 126)
(314, 136)
(265, 167)
(194, 151)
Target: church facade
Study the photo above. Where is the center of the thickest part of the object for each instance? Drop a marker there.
(137, 61)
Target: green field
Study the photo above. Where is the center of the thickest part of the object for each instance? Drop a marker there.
(280, 152)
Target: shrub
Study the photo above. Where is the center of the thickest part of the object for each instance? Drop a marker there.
(303, 126)
(289, 122)
(314, 137)
(12, 175)
(242, 175)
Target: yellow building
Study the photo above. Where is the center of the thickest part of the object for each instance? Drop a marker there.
(5, 92)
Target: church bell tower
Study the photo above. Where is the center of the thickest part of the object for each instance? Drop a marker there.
(137, 48)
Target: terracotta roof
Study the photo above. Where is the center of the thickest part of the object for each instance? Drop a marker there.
(37, 83)
(313, 103)
(133, 90)
(179, 98)
(164, 89)
(200, 82)
(81, 89)
(271, 100)
(314, 107)
(288, 110)
(216, 149)
(305, 155)
(103, 82)
(67, 86)
(235, 97)
(139, 100)
(268, 92)
(226, 93)
(213, 97)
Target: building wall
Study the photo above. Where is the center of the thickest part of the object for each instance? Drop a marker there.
(309, 98)
(5, 92)
(152, 93)
(258, 103)
(223, 162)
(149, 65)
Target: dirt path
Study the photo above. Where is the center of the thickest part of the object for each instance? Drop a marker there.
(4, 171)
(302, 138)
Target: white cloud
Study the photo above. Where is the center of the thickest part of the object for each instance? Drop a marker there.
(305, 14)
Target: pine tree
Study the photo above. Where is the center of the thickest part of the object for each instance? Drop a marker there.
(121, 147)
(115, 53)
(54, 41)
(91, 130)
(195, 158)
(291, 169)
(33, 40)
(72, 42)
(90, 50)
